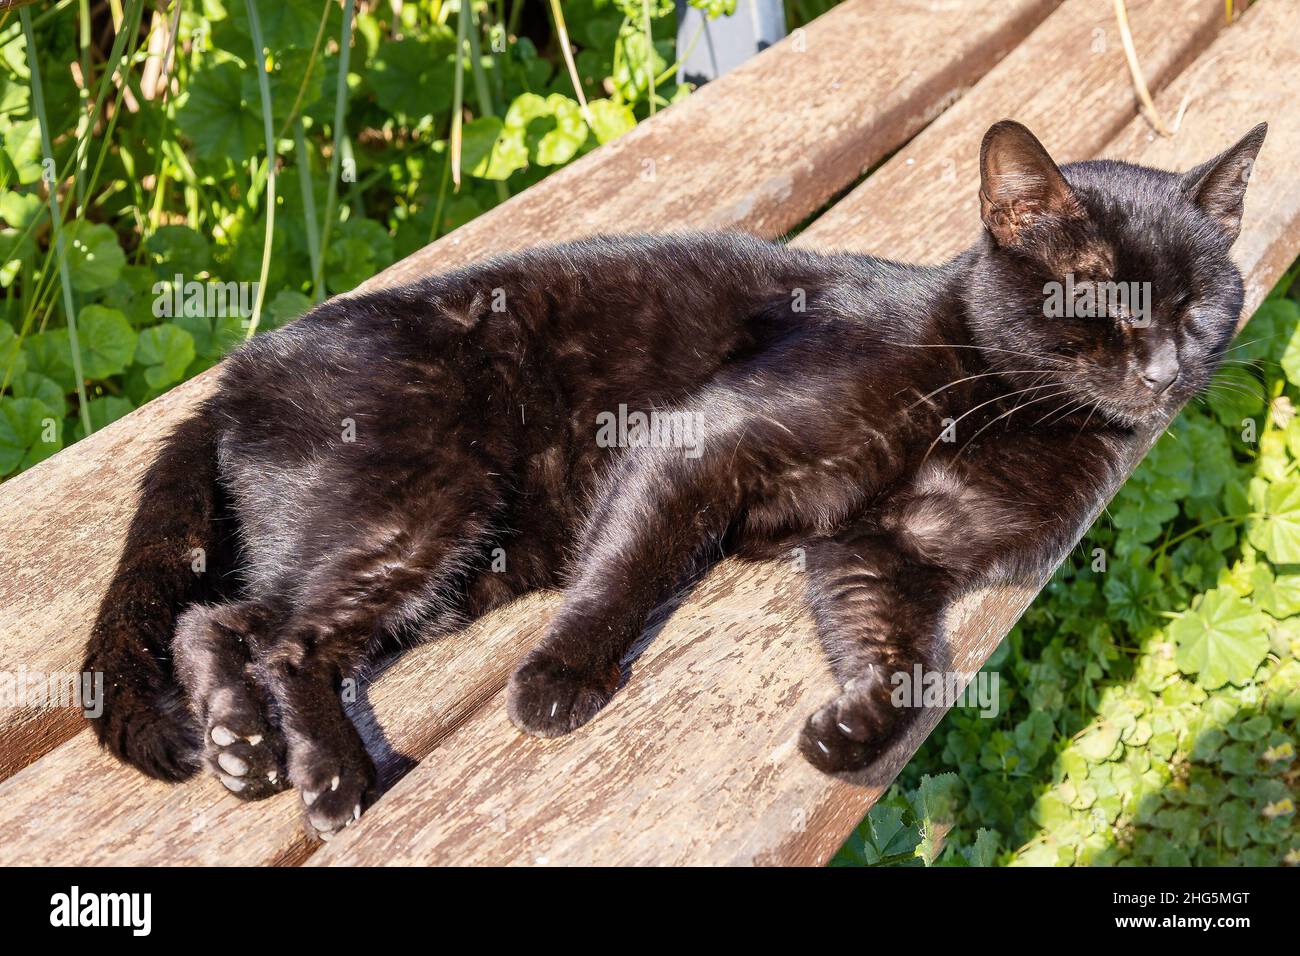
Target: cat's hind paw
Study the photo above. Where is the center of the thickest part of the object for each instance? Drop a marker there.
(244, 752)
(851, 731)
(549, 698)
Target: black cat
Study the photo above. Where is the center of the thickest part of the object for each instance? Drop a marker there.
(608, 415)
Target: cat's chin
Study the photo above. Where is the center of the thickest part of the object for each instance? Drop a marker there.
(1136, 416)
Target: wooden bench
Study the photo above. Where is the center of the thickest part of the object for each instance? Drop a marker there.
(694, 760)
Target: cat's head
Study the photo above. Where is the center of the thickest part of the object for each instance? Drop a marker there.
(1102, 284)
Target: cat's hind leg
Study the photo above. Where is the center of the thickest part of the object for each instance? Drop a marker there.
(388, 577)
(213, 652)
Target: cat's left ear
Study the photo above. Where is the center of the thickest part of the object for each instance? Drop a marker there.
(1020, 185)
(1218, 186)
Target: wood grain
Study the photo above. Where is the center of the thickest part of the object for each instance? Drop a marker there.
(739, 153)
(693, 762)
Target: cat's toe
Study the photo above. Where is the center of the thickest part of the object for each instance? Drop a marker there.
(244, 752)
(549, 698)
(849, 732)
(335, 793)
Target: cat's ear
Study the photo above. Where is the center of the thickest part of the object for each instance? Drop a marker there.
(1020, 185)
(1218, 185)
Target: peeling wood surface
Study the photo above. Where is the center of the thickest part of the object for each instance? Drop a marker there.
(738, 154)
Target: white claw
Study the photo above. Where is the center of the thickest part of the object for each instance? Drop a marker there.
(235, 766)
(325, 837)
(356, 812)
(222, 737)
(273, 776)
(255, 739)
(843, 728)
(233, 784)
(554, 707)
(824, 749)
(334, 784)
(309, 796)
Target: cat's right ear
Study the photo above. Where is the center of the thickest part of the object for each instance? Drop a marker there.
(1020, 185)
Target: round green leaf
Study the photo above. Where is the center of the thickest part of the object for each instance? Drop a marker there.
(1221, 641)
(1277, 534)
(216, 117)
(107, 341)
(610, 120)
(165, 351)
(45, 390)
(95, 260)
(28, 433)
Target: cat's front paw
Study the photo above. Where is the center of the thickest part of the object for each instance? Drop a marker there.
(335, 789)
(852, 730)
(548, 698)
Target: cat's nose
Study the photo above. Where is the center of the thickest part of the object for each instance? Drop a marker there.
(1158, 376)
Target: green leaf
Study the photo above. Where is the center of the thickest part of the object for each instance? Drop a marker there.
(95, 260)
(1221, 641)
(286, 306)
(12, 355)
(107, 341)
(50, 354)
(285, 23)
(28, 433)
(45, 390)
(1034, 735)
(22, 148)
(362, 248)
(490, 150)
(412, 77)
(610, 120)
(984, 851)
(1278, 595)
(103, 410)
(166, 350)
(551, 126)
(1101, 742)
(936, 812)
(217, 119)
(178, 249)
(1277, 534)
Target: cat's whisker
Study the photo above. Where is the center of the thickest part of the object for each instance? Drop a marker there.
(1012, 411)
(979, 348)
(968, 378)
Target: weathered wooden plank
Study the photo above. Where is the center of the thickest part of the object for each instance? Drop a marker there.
(736, 154)
(694, 761)
(119, 817)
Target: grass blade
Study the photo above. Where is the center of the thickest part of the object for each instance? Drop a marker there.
(264, 89)
(38, 103)
(332, 189)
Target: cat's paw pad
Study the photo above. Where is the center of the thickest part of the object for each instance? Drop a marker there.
(851, 731)
(241, 748)
(335, 793)
(548, 698)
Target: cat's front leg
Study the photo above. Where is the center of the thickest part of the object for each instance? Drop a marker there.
(877, 611)
(658, 512)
